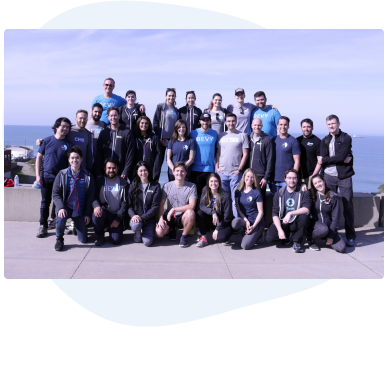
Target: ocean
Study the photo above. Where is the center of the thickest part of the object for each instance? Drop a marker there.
(368, 154)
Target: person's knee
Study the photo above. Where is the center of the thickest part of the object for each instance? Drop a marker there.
(147, 241)
(236, 223)
(160, 233)
(136, 226)
(189, 216)
(115, 241)
(247, 245)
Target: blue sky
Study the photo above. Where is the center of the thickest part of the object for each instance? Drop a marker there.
(305, 73)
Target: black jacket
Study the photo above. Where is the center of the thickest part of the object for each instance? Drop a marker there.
(151, 204)
(262, 157)
(191, 117)
(129, 120)
(226, 214)
(159, 118)
(151, 153)
(100, 197)
(120, 145)
(343, 148)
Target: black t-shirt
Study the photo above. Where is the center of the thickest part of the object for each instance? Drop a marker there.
(310, 148)
(291, 200)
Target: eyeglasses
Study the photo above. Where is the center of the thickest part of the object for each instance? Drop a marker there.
(241, 110)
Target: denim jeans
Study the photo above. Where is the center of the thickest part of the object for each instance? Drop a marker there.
(230, 182)
(115, 233)
(79, 224)
(276, 185)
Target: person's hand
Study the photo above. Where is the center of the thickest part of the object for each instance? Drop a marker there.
(218, 170)
(348, 159)
(329, 241)
(62, 213)
(98, 212)
(170, 213)
(115, 223)
(124, 176)
(319, 160)
(263, 183)
(281, 234)
(303, 187)
(142, 109)
(286, 219)
(249, 230)
(236, 172)
(39, 142)
(215, 219)
(273, 107)
(162, 223)
(136, 218)
(164, 142)
(87, 220)
(215, 234)
(39, 180)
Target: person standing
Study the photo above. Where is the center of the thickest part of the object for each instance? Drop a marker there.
(217, 114)
(190, 113)
(143, 201)
(110, 204)
(290, 210)
(287, 154)
(130, 112)
(337, 161)
(232, 154)
(51, 158)
(73, 195)
(180, 148)
(115, 141)
(262, 157)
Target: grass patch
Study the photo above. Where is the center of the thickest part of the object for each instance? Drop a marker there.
(18, 171)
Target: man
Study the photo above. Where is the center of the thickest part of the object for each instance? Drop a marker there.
(73, 195)
(267, 113)
(181, 201)
(290, 210)
(95, 125)
(232, 154)
(53, 154)
(115, 141)
(130, 112)
(262, 156)
(287, 154)
(338, 170)
(204, 161)
(110, 204)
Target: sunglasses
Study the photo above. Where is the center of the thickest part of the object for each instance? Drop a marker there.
(241, 110)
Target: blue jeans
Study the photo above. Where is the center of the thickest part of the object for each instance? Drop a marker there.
(148, 230)
(115, 233)
(230, 182)
(276, 185)
(79, 224)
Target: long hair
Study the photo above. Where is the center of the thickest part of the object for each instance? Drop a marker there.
(58, 123)
(211, 102)
(137, 128)
(137, 182)
(313, 191)
(177, 125)
(208, 193)
(255, 184)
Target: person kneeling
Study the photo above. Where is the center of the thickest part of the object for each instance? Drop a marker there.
(215, 212)
(290, 210)
(110, 204)
(249, 204)
(73, 194)
(181, 201)
(144, 198)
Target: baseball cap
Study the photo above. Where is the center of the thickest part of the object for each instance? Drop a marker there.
(205, 115)
(238, 90)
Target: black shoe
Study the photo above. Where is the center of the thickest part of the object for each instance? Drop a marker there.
(172, 234)
(99, 242)
(286, 241)
(59, 245)
(312, 245)
(297, 248)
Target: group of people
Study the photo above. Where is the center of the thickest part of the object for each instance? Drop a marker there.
(220, 160)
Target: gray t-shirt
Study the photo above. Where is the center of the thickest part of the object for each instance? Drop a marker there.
(243, 114)
(231, 145)
(112, 194)
(96, 128)
(170, 118)
(178, 197)
(218, 121)
(331, 169)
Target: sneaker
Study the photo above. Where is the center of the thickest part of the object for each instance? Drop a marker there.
(297, 248)
(312, 245)
(286, 241)
(183, 242)
(42, 231)
(172, 234)
(137, 236)
(261, 238)
(68, 230)
(202, 242)
(226, 243)
(51, 224)
(99, 242)
(350, 242)
(59, 245)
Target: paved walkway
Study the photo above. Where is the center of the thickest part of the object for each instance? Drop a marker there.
(28, 257)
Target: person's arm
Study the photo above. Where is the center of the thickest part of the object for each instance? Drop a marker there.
(57, 193)
(202, 206)
(124, 205)
(243, 161)
(96, 201)
(190, 206)
(259, 216)
(218, 154)
(341, 156)
(158, 158)
(226, 207)
(191, 159)
(38, 167)
(269, 151)
(161, 210)
(296, 162)
(130, 155)
(154, 206)
(156, 122)
(169, 159)
(277, 223)
(317, 169)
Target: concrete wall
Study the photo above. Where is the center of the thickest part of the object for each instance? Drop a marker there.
(23, 203)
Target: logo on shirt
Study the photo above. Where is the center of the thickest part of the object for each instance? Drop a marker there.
(185, 147)
(310, 143)
(249, 199)
(170, 112)
(64, 147)
(290, 202)
(203, 139)
(113, 188)
(260, 115)
(285, 145)
(79, 139)
(227, 139)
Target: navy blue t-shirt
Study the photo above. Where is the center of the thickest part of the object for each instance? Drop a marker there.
(181, 151)
(285, 149)
(247, 203)
(55, 156)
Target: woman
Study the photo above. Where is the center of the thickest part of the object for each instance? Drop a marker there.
(180, 148)
(143, 201)
(217, 113)
(130, 112)
(166, 115)
(148, 147)
(249, 204)
(190, 113)
(325, 214)
(215, 212)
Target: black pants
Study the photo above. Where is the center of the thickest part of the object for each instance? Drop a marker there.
(295, 230)
(205, 221)
(46, 191)
(199, 179)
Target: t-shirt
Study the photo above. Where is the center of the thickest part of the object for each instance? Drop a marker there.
(290, 200)
(178, 197)
(218, 121)
(95, 128)
(331, 169)
(170, 118)
(82, 138)
(205, 148)
(310, 150)
(247, 203)
(232, 145)
(243, 114)
(55, 156)
(112, 194)
(269, 117)
(181, 151)
(113, 101)
(284, 150)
